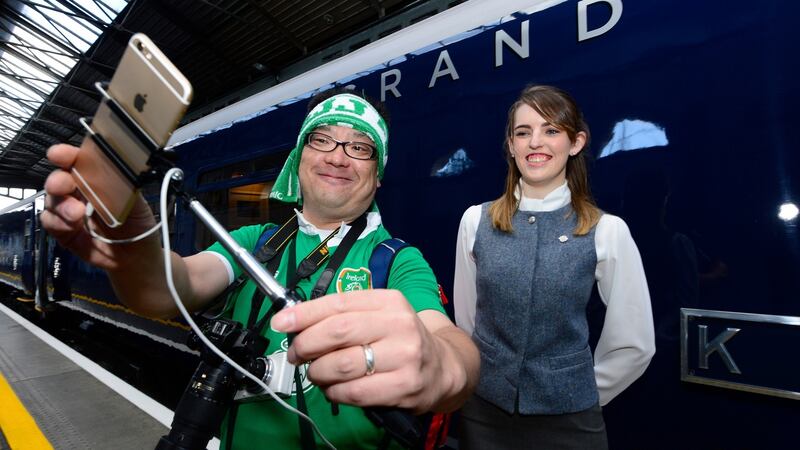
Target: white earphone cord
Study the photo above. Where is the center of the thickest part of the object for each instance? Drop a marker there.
(95, 235)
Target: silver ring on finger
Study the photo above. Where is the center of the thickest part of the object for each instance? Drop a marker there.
(369, 357)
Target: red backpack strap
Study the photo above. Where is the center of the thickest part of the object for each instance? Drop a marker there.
(437, 431)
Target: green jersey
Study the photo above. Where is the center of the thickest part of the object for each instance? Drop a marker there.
(266, 424)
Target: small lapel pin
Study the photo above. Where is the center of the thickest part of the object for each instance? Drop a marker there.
(563, 238)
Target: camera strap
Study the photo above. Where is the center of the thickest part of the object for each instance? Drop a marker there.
(310, 264)
(269, 253)
(307, 267)
(356, 228)
(265, 253)
(313, 261)
(320, 288)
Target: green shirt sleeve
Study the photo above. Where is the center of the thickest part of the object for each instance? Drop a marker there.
(247, 237)
(411, 275)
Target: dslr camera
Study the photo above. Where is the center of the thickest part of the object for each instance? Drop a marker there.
(214, 384)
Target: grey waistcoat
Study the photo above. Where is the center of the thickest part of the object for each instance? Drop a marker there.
(530, 320)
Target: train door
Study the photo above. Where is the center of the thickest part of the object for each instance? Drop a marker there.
(51, 270)
(40, 272)
(26, 267)
(58, 271)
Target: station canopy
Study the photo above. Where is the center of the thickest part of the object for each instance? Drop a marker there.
(52, 52)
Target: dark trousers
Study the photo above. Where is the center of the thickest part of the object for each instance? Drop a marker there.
(484, 426)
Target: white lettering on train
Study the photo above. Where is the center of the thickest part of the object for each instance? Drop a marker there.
(390, 79)
(450, 69)
(391, 86)
(583, 32)
(522, 49)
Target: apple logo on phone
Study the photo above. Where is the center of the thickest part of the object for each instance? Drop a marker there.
(139, 101)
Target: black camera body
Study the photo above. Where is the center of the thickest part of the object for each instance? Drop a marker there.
(211, 389)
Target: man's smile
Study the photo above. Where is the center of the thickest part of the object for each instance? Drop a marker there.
(334, 178)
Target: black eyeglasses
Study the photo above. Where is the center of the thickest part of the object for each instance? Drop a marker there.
(355, 150)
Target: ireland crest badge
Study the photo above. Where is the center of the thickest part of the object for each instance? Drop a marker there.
(354, 280)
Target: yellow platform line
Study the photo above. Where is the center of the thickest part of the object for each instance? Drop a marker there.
(119, 307)
(11, 276)
(19, 428)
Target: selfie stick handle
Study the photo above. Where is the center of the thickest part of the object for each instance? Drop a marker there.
(266, 283)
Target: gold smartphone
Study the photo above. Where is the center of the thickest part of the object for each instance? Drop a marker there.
(154, 95)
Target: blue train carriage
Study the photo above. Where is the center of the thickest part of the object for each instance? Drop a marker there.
(692, 132)
(31, 262)
(48, 280)
(17, 248)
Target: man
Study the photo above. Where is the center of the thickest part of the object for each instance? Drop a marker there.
(393, 347)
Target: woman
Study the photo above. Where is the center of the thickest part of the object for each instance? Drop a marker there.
(525, 266)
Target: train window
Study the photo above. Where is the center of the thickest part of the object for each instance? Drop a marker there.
(239, 206)
(249, 167)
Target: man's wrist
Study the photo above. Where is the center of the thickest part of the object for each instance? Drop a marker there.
(135, 255)
(453, 376)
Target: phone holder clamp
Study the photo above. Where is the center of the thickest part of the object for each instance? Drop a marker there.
(158, 161)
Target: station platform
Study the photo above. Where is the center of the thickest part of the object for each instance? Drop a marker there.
(53, 397)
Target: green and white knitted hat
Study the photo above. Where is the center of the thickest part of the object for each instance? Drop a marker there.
(343, 110)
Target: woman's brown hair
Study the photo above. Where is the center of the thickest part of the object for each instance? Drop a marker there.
(560, 109)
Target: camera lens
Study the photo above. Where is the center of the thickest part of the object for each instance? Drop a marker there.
(202, 407)
(262, 369)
